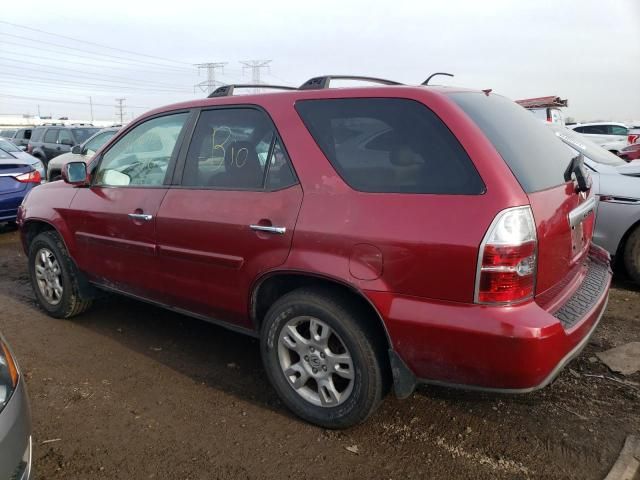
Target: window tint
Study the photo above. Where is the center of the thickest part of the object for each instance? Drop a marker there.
(51, 136)
(37, 134)
(618, 130)
(390, 145)
(142, 156)
(533, 153)
(595, 130)
(82, 134)
(280, 174)
(229, 149)
(27, 134)
(97, 142)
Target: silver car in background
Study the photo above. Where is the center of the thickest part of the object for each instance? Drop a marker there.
(15, 420)
(617, 185)
(16, 152)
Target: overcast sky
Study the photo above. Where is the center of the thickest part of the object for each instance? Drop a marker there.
(585, 50)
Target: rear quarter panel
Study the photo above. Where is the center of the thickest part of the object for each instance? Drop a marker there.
(428, 243)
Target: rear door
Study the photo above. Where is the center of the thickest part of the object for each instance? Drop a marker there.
(50, 142)
(539, 161)
(231, 215)
(115, 219)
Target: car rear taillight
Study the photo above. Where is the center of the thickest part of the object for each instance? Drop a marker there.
(508, 258)
(30, 177)
(633, 138)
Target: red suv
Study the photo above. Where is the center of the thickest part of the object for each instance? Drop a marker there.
(369, 237)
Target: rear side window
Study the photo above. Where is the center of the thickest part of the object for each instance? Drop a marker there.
(82, 134)
(618, 130)
(390, 145)
(36, 136)
(533, 153)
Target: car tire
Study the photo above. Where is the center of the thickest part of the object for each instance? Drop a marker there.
(54, 277)
(631, 255)
(344, 347)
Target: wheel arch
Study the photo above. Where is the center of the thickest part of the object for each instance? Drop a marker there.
(623, 242)
(268, 288)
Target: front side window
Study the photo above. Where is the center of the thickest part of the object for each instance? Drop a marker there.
(97, 142)
(82, 134)
(231, 149)
(51, 136)
(142, 156)
(65, 137)
(390, 145)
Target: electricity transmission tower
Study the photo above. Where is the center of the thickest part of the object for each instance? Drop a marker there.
(255, 66)
(120, 109)
(210, 84)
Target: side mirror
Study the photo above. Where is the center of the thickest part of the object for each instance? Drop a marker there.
(77, 149)
(75, 173)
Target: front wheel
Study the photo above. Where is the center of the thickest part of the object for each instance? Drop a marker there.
(322, 360)
(53, 277)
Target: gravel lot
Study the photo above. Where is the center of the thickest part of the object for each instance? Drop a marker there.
(131, 391)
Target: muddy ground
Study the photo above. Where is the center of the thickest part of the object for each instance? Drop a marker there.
(131, 391)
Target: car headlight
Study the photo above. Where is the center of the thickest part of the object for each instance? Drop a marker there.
(8, 375)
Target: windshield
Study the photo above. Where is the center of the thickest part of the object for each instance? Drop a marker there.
(81, 134)
(8, 146)
(588, 148)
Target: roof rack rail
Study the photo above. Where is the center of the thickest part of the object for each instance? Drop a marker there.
(426, 82)
(318, 83)
(227, 90)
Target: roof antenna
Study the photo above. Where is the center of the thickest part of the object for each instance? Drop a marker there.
(426, 82)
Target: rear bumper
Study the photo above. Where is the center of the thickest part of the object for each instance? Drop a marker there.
(508, 349)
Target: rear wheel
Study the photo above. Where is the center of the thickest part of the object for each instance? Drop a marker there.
(632, 255)
(322, 360)
(53, 277)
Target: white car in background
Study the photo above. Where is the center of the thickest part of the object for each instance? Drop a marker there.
(611, 136)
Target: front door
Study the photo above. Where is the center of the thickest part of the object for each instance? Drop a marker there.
(230, 218)
(115, 219)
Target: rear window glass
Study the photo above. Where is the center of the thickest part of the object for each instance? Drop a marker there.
(533, 153)
(390, 145)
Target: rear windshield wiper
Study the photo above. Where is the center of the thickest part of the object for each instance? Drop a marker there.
(576, 168)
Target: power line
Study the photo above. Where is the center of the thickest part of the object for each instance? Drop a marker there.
(80, 73)
(50, 80)
(94, 65)
(57, 45)
(210, 83)
(92, 43)
(40, 99)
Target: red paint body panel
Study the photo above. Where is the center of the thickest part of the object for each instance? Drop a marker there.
(417, 266)
(208, 255)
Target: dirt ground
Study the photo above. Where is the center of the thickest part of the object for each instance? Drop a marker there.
(131, 391)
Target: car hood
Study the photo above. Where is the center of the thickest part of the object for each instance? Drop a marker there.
(65, 158)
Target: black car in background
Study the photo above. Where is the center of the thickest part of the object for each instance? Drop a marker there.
(18, 136)
(49, 141)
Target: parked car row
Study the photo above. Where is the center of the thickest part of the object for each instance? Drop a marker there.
(18, 136)
(612, 136)
(369, 237)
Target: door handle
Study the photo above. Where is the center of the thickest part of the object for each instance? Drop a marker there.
(265, 228)
(141, 216)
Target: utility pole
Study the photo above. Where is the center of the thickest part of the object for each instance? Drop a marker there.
(210, 84)
(38, 110)
(255, 66)
(91, 108)
(120, 109)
